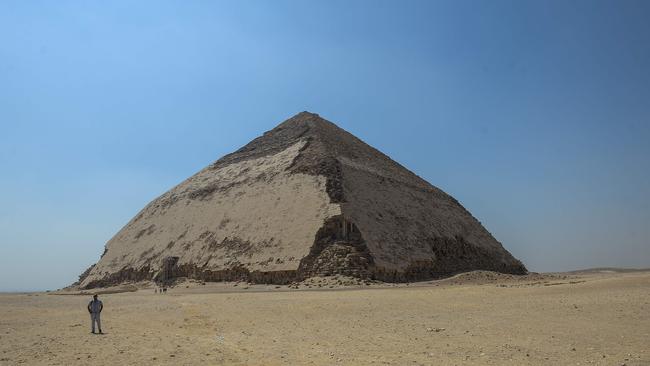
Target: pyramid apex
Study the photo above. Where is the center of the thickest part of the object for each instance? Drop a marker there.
(304, 119)
(306, 115)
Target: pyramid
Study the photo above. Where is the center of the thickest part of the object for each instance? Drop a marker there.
(304, 199)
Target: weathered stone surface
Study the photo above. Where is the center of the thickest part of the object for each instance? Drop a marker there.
(305, 199)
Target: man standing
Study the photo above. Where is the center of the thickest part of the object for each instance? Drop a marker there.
(95, 307)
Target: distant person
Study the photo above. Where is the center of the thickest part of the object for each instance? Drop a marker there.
(95, 307)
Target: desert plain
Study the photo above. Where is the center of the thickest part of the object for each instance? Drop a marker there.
(598, 317)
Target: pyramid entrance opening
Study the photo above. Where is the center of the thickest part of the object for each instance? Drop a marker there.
(167, 272)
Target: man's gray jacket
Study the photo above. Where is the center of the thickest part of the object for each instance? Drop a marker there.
(95, 306)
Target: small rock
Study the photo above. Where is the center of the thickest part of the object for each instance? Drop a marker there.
(437, 330)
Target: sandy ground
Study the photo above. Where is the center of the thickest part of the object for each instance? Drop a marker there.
(578, 319)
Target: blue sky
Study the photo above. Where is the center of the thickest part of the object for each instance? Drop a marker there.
(535, 115)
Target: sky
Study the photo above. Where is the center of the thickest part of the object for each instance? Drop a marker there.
(535, 115)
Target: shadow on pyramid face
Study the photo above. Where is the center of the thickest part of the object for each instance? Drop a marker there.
(339, 248)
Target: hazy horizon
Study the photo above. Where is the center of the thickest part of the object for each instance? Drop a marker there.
(533, 115)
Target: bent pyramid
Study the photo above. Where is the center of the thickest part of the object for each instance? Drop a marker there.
(306, 198)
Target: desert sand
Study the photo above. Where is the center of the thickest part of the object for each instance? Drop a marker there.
(589, 318)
